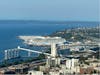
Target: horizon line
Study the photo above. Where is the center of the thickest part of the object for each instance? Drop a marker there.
(47, 20)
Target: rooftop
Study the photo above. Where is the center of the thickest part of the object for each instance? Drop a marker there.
(42, 40)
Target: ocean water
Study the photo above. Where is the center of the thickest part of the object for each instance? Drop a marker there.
(10, 30)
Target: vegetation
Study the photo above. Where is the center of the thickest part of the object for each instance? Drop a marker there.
(79, 34)
(82, 59)
(41, 56)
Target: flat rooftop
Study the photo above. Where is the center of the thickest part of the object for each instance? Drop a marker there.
(42, 40)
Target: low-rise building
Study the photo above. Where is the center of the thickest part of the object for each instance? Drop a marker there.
(86, 70)
(32, 72)
(4, 71)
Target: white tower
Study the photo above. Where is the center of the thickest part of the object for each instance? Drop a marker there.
(53, 50)
(6, 55)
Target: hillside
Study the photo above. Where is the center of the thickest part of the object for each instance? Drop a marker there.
(79, 34)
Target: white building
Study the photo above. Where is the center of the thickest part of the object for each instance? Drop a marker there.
(54, 73)
(35, 73)
(41, 40)
(72, 65)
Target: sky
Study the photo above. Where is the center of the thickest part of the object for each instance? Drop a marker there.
(59, 10)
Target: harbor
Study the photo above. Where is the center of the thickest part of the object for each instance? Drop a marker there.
(52, 61)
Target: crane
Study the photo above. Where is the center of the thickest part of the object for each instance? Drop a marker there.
(29, 50)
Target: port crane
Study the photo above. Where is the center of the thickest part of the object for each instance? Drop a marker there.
(13, 53)
(29, 50)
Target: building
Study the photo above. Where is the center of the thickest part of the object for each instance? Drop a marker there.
(72, 65)
(4, 71)
(86, 70)
(35, 72)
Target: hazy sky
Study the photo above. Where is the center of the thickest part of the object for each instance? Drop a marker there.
(74, 10)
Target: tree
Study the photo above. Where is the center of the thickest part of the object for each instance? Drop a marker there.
(41, 56)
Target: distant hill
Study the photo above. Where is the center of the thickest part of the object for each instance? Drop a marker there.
(79, 34)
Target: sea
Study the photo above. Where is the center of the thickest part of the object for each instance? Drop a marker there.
(11, 29)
